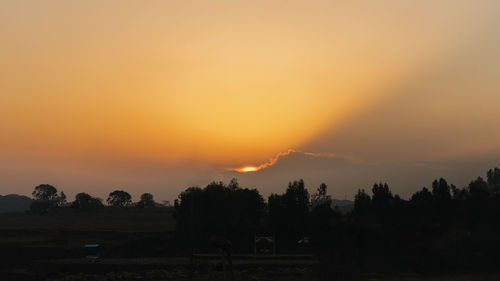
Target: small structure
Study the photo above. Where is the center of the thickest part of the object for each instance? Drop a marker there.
(304, 244)
(92, 251)
(265, 245)
(305, 240)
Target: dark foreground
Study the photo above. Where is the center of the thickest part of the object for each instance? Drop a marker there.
(135, 246)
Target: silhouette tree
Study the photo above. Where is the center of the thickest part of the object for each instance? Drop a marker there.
(61, 199)
(119, 198)
(83, 201)
(382, 197)
(297, 197)
(493, 176)
(382, 201)
(218, 210)
(46, 198)
(458, 193)
(322, 214)
(320, 198)
(478, 189)
(233, 184)
(423, 195)
(277, 213)
(441, 190)
(362, 202)
(45, 192)
(146, 201)
(289, 213)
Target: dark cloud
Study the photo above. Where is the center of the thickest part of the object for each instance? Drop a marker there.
(344, 177)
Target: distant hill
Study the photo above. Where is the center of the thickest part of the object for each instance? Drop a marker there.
(345, 206)
(14, 203)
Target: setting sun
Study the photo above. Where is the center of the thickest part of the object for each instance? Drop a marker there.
(247, 169)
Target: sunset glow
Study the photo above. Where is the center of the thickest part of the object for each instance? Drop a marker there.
(161, 90)
(131, 86)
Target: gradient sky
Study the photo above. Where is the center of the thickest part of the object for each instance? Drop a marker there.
(155, 96)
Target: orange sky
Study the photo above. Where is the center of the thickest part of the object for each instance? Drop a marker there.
(222, 84)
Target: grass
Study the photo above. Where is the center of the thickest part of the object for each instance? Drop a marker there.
(125, 261)
(107, 219)
(177, 268)
(465, 277)
(184, 261)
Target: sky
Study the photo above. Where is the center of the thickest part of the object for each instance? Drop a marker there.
(158, 96)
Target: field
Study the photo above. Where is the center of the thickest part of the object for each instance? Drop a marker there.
(135, 244)
(108, 219)
(140, 245)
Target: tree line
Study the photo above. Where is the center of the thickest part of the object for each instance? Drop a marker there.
(442, 226)
(439, 226)
(47, 198)
(239, 213)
